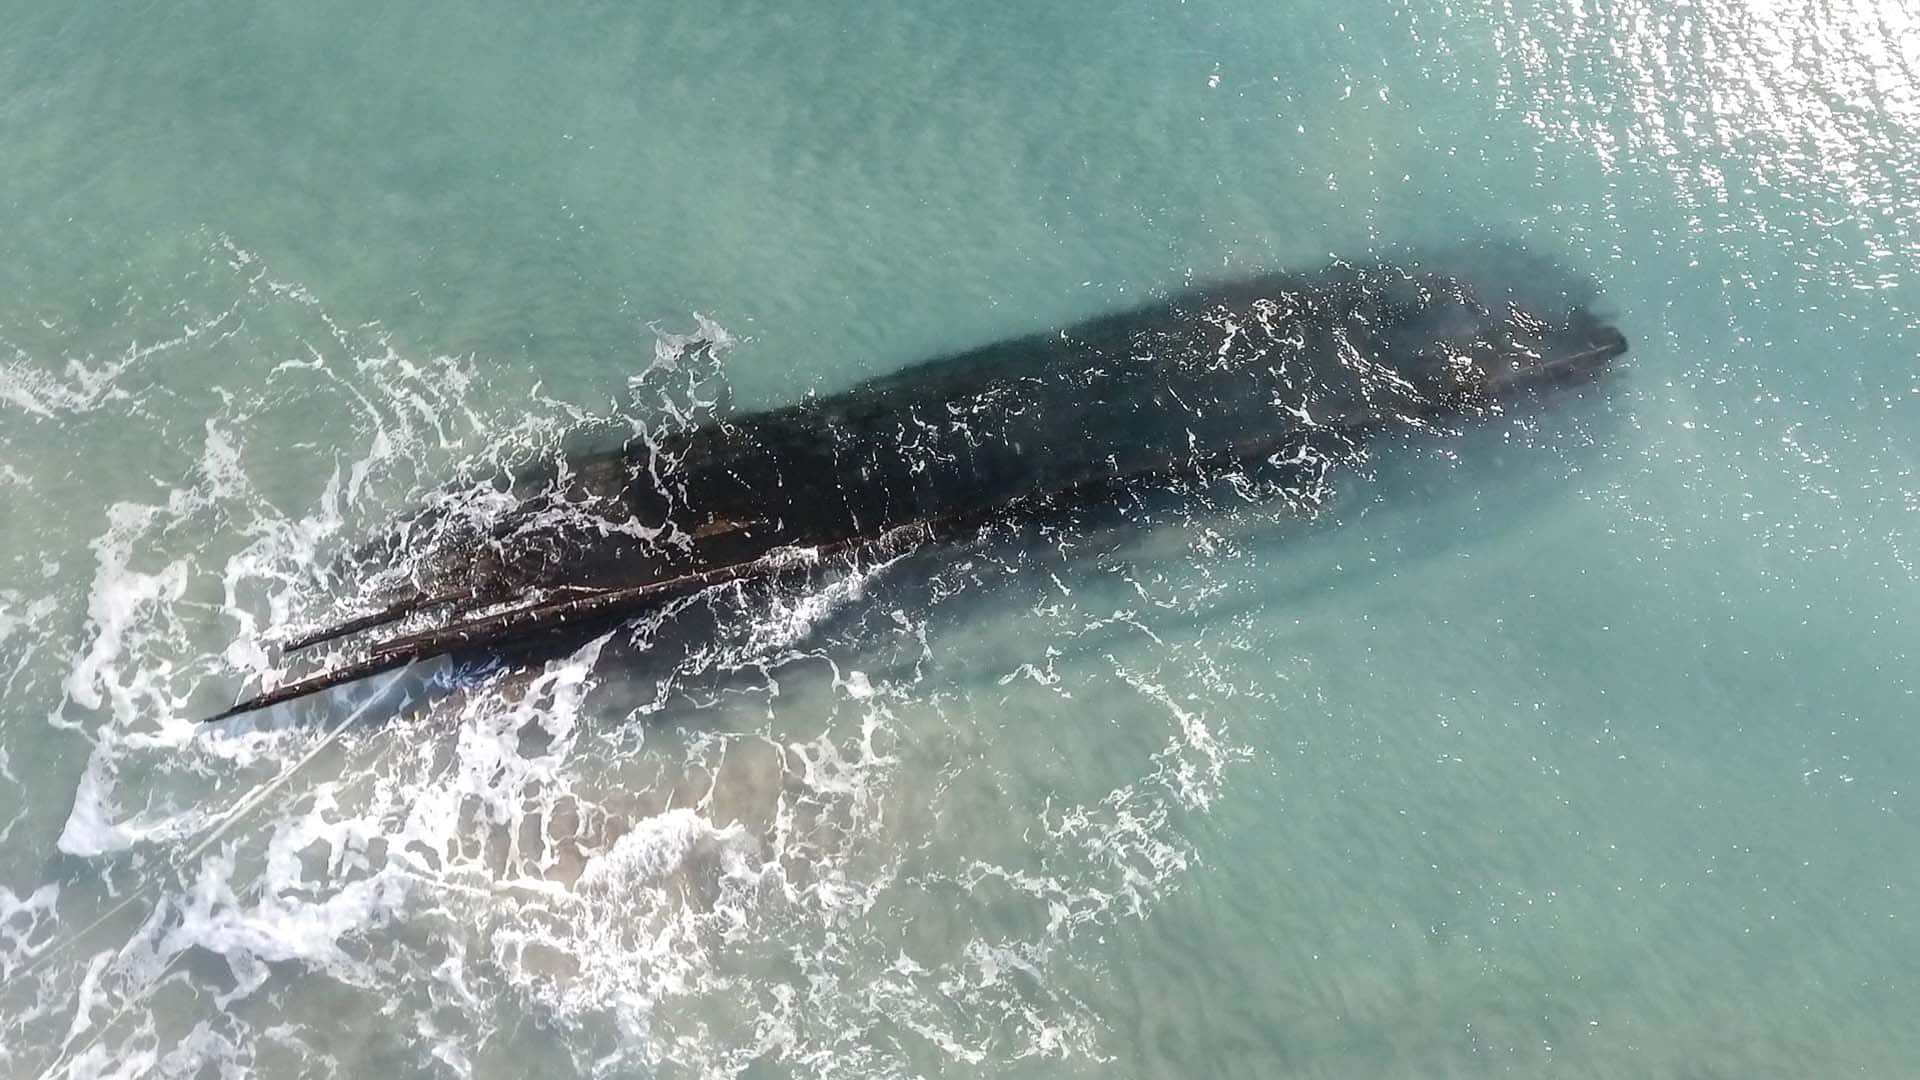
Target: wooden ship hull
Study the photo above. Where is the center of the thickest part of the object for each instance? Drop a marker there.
(1276, 371)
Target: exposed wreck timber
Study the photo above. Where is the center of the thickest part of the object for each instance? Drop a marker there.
(1282, 371)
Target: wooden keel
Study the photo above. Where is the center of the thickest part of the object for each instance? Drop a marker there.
(411, 605)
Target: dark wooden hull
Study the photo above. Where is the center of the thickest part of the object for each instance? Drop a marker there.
(1282, 369)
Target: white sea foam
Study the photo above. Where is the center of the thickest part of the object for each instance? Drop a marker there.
(98, 824)
(723, 875)
(86, 384)
(18, 614)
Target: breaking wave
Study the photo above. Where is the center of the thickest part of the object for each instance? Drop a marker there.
(874, 826)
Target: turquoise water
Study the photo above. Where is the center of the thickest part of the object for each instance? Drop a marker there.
(1575, 744)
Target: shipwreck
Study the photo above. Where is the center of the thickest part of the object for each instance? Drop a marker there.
(1277, 372)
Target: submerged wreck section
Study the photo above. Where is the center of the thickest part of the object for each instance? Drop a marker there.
(1280, 371)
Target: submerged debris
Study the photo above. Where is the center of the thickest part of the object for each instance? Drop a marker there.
(1286, 373)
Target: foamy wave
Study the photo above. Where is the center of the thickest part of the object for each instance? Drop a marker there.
(83, 384)
(779, 853)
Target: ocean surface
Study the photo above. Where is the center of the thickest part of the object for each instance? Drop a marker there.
(1578, 742)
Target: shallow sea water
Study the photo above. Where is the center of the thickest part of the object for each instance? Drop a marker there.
(1578, 743)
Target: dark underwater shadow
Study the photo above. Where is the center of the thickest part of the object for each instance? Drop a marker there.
(1508, 473)
(675, 669)
(1499, 266)
(674, 665)
(1521, 467)
(712, 638)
